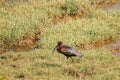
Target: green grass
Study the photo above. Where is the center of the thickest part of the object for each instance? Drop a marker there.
(19, 19)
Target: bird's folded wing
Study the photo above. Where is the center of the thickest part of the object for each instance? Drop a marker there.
(68, 51)
(65, 50)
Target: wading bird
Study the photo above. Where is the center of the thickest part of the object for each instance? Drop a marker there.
(66, 50)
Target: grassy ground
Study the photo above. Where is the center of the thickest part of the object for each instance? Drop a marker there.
(40, 64)
(81, 24)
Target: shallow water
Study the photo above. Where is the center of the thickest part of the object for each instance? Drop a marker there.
(118, 54)
(114, 7)
(115, 46)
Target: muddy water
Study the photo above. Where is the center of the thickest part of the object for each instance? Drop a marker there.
(114, 47)
(114, 7)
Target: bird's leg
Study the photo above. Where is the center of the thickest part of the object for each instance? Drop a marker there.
(72, 59)
(67, 58)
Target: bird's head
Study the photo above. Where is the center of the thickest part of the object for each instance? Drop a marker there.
(59, 43)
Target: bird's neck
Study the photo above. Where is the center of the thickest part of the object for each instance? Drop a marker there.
(59, 48)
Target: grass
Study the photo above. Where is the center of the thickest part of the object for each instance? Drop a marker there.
(89, 29)
(41, 64)
(74, 24)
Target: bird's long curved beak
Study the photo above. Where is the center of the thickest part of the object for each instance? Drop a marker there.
(54, 49)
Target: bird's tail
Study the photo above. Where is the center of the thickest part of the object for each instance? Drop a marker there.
(80, 55)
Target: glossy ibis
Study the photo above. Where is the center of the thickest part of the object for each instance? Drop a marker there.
(66, 50)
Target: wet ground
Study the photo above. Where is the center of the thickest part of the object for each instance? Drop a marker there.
(114, 7)
(114, 47)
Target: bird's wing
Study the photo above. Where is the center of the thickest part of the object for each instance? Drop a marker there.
(76, 53)
(66, 49)
(71, 51)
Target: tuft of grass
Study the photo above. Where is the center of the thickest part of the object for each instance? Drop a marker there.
(20, 75)
(69, 7)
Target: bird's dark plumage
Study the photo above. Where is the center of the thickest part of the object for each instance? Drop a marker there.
(67, 50)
